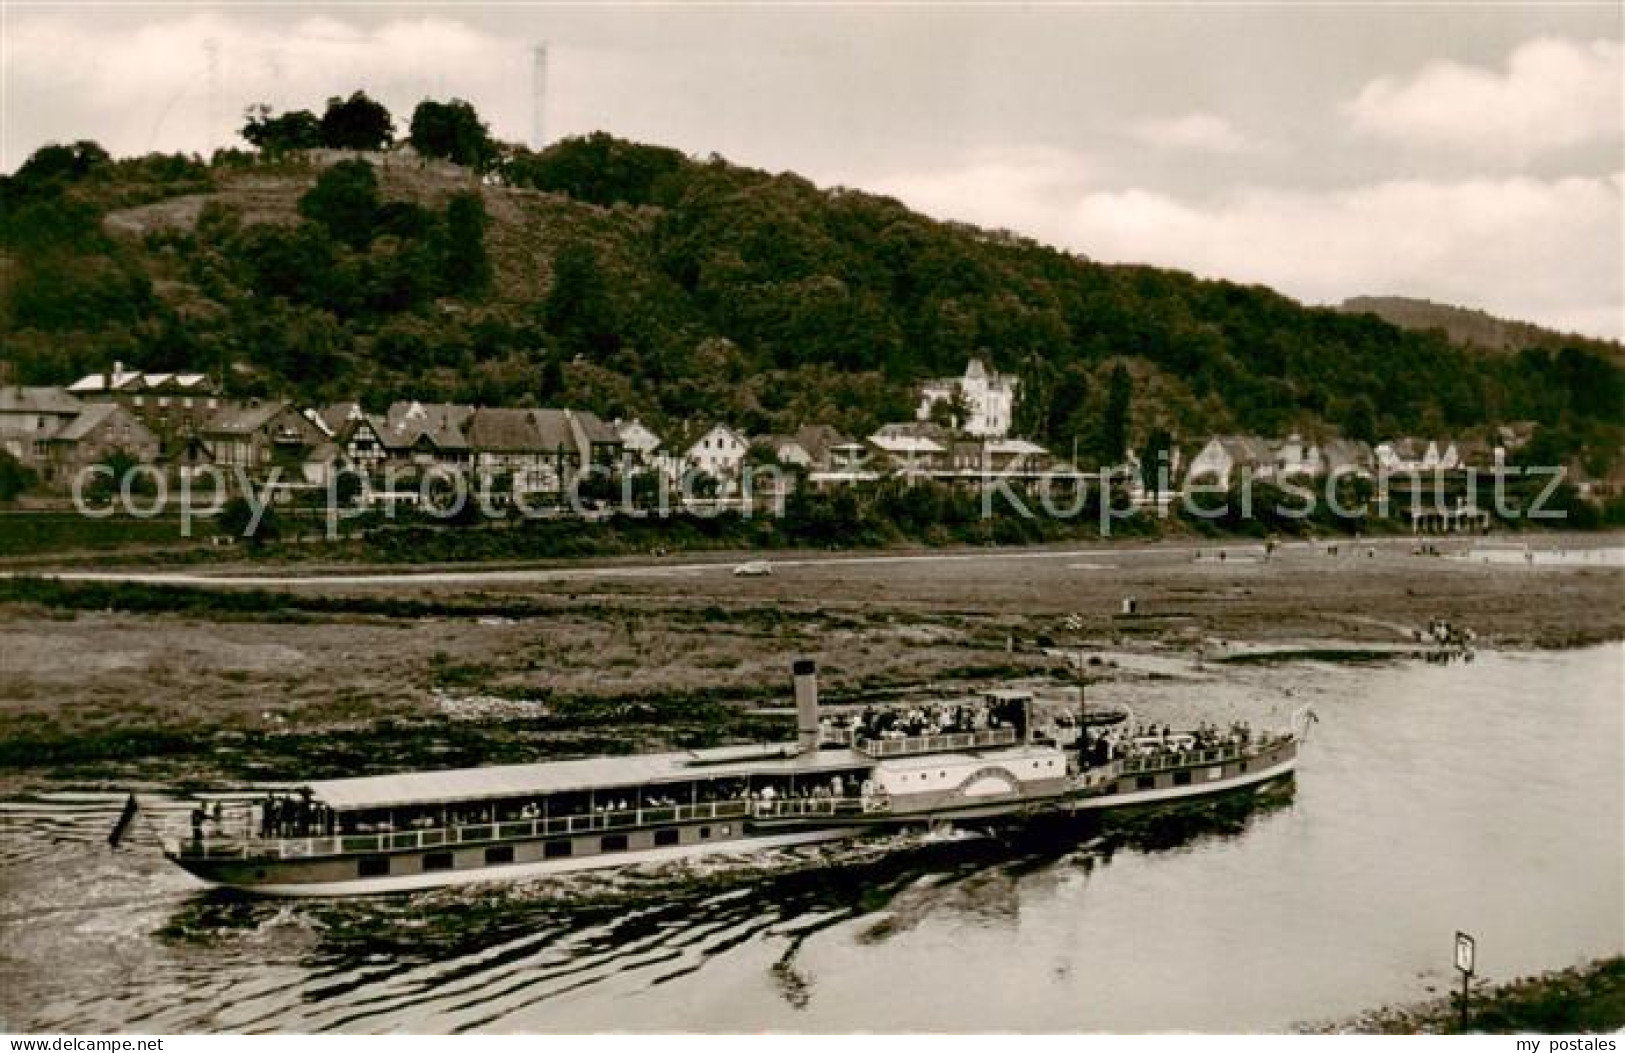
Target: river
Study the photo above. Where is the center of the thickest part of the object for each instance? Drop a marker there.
(1484, 796)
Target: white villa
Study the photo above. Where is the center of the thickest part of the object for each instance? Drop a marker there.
(989, 399)
(719, 453)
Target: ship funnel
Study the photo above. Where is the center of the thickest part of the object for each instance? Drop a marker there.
(805, 672)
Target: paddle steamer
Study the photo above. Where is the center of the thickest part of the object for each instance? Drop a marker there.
(851, 770)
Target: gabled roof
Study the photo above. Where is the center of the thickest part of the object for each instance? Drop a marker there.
(505, 430)
(93, 417)
(1340, 453)
(916, 429)
(121, 379)
(819, 439)
(1246, 449)
(339, 415)
(726, 431)
(627, 428)
(247, 418)
(49, 400)
(444, 424)
(593, 429)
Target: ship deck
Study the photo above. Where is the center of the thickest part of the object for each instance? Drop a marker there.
(595, 773)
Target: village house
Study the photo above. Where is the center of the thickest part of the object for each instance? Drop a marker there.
(1294, 457)
(1347, 457)
(96, 434)
(719, 453)
(536, 449)
(176, 406)
(30, 416)
(596, 442)
(426, 434)
(357, 435)
(1225, 457)
(639, 441)
(1411, 454)
(914, 449)
(257, 436)
(988, 400)
(831, 453)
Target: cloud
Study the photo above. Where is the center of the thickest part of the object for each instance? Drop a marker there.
(1545, 251)
(1198, 132)
(1553, 93)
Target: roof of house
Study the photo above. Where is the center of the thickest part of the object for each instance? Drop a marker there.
(444, 424)
(626, 428)
(38, 400)
(727, 431)
(915, 429)
(819, 439)
(905, 444)
(506, 429)
(120, 379)
(594, 429)
(93, 417)
(1339, 453)
(337, 417)
(245, 419)
(1246, 449)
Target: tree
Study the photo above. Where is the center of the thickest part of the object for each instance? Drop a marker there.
(357, 123)
(294, 130)
(345, 201)
(236, 519)
(55, 163)
(1157, 446)
(464, 265)
(1114, 421)
(452, 130)
(14, 477)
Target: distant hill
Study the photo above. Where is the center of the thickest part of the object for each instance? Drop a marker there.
(635, 280)
(1468, 327)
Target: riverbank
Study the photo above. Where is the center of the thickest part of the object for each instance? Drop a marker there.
(1587, 999)
(254, 673)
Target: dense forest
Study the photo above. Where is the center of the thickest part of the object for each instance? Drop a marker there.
(632, 279)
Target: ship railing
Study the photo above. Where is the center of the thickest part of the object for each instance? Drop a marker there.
(811, 806)
(959, 740)
(435, 837)
(1183, 759)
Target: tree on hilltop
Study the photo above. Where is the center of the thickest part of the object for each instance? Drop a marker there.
(357, 123)
(453, 131)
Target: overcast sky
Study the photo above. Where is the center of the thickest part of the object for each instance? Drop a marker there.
(1465, 153)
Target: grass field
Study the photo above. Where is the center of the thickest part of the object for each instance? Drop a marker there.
(308, 674)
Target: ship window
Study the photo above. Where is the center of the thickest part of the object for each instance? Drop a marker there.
(372, 866)
(556, 849)
(722, 830)
(666, 837)
(1145, 782)
(1182, 778)
(498, 855)
(705, 833)
(437, 861)
(1243, 765)
(613, 843)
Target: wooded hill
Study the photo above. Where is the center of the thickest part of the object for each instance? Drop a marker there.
(634, 280)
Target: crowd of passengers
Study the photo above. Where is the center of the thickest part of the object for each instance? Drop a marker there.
(1160, 740)
(288, 815)
(939, 718)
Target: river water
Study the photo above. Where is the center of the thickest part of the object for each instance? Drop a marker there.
(1484, 796)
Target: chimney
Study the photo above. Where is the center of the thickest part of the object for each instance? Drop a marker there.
(805, 673)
